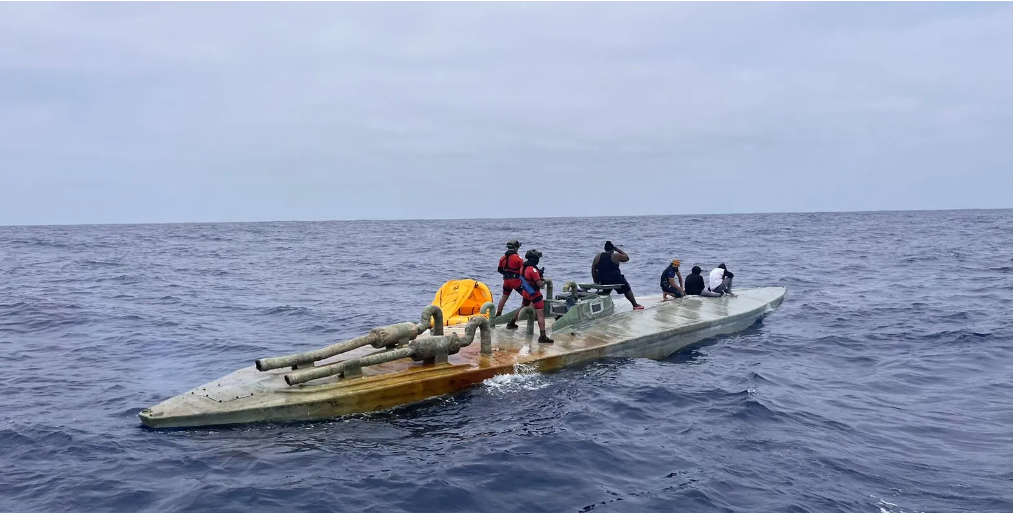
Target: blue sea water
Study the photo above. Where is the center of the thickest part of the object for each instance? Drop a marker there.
(884, 383)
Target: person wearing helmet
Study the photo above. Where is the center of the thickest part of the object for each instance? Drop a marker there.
(531, 283)
(605, 271)
(668, 283)
(510, 267)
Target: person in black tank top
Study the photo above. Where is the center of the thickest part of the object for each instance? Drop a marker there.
(605, 271)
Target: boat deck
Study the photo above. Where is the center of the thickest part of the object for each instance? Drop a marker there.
(661, 329)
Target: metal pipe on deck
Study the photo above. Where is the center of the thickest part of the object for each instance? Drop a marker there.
(384, 336)
(548, 295)
(433, 314)
(486, 333)
(488, 308)
(528, 313)
(430, 350)
(302, 376)
(266, 364)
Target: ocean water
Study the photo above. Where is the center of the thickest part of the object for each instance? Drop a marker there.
(884, 383)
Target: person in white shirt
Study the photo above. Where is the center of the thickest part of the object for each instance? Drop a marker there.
(721, 280)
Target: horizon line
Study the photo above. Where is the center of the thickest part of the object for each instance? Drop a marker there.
(502, 218)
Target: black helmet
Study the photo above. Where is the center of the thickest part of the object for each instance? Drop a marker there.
(513, 244)
(533, 255)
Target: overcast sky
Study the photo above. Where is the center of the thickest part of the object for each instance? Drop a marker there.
(145, 112)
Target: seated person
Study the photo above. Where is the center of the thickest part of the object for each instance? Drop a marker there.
(695, 285)
(668, 283)
(721, 280)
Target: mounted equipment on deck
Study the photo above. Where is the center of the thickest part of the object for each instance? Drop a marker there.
(395, 342)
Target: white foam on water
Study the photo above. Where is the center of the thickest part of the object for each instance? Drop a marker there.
(887, 507)
(523, 378)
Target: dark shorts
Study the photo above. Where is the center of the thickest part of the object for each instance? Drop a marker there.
(671, 290)
(617, 279)
(537, 301)
(511, 285)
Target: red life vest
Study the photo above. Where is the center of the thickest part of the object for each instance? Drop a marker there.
(529, 283)
(510, 265)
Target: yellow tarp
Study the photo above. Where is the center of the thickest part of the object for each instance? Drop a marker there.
(460, 300)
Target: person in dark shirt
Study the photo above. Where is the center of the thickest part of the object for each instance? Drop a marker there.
(605, 271)
(669, 286)
(695, 285)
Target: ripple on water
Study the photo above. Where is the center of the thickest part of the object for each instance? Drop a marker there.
(880, 385)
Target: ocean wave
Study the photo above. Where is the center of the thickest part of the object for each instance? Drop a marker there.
(879, 385)
(286, 310)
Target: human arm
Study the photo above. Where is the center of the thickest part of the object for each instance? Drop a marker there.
(676, 286)
(594, 268)
(620, 256)
(537, 276)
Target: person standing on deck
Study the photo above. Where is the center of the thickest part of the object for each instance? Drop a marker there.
(668, 283)
(510, 267)
(605, 271)
(531, 283)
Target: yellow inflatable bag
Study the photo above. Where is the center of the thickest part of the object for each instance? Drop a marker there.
(461, 300)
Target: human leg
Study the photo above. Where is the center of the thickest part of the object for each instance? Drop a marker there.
(668, 290)
(540, 315)
(502, 301)
(625, 290)
(512, 325)
(509, 285)
(725, 287)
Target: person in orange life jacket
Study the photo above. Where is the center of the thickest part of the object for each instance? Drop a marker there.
(605, 271)
(510, 267)
(531, 282)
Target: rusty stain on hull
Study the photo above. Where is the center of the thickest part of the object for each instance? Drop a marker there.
(658, 331)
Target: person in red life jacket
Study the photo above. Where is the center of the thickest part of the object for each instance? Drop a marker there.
(510, 267)
(531, 282)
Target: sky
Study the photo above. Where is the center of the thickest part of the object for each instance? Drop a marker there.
(182, 112)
